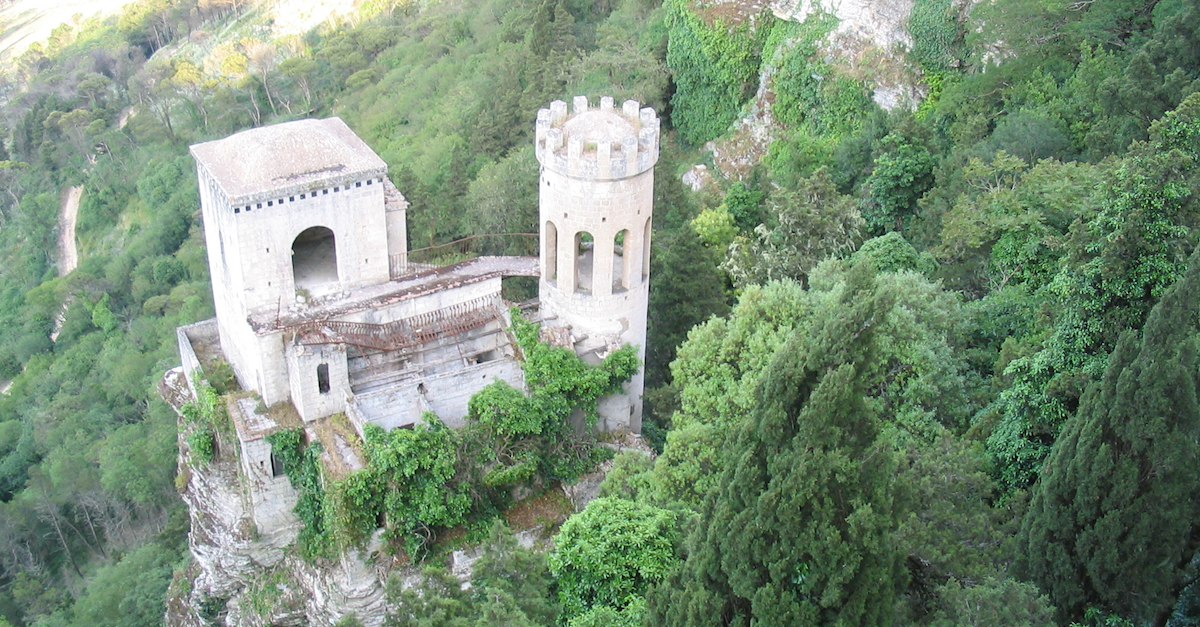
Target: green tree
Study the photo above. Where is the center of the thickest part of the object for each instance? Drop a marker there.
(608, 554)
(1116, 266)
(438, 600)
(808, 224)
(902, 175)
(510, 586)
(413, 468)
(129, 593)
(1113, 522)
(990, 602)
(687, 289)
(800, 529)
(515, 579)
(950, 531)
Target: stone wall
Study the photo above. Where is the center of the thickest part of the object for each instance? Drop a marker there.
(250, 261)
(272, 498)
(303, 363)
(446, 395)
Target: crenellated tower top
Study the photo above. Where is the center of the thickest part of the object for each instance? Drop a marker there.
(597, 144)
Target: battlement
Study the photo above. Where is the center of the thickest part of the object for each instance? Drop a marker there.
(598, 144)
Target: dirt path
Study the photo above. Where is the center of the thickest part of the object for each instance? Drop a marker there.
(68, 255)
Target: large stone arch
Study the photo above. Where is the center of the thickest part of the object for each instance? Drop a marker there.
(314, 259)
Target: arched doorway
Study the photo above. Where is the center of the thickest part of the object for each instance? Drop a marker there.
(314, 258)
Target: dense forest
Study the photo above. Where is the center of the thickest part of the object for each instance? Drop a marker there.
(931, 366)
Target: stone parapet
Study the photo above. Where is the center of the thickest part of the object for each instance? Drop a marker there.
(598, 144)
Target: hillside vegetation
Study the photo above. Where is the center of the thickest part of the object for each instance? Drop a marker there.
(913, 367)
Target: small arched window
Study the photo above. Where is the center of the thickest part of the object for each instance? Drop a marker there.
(646, 252)
(621, 261)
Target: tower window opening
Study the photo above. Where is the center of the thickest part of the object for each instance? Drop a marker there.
(621, 270)
(585, 258)
(646, 252)
(323, 378)
(314, 258)
(276, 466)
(551, 256)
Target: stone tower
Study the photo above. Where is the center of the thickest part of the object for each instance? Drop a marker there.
(596, 200)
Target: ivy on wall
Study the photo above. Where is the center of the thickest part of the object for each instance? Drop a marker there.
(302, 464)
(938, 37)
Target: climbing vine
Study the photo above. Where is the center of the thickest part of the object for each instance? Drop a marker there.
(430, 476)
(715, 65)
(937, 35)
(302, 464)
(203, 416)
(811, 94)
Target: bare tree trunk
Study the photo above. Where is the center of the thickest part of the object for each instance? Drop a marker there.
(48, 512)
(87, 503)
(256, 113)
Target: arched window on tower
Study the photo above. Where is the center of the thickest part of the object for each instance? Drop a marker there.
(551, 255)
(621, 261)
(314, 258)
(585, 257)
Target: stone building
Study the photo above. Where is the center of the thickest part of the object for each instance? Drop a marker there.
(321, 312)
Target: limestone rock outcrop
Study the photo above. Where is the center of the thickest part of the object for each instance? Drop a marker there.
(240, 578)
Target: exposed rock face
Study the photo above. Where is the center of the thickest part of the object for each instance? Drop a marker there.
(869, 44)
(260, 578)
(880, 22)
(241, 578)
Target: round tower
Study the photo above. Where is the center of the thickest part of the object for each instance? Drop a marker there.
(596, 204)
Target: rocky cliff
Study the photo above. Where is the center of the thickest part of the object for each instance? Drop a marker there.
(869, 44)
(240, 578)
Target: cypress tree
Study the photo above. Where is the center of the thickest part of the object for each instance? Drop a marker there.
(799, 531)
(1114, 521)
